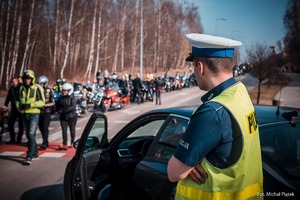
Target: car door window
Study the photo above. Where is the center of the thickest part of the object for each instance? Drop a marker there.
(97, 131)
(150, 129)
(170, 138)
(281, 143)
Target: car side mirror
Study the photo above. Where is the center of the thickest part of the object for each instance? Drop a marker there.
(76, 143)
(295, 120)
(292, 117)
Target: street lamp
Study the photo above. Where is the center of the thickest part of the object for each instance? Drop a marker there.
(272, 46)
(141, 47)
(218, 19)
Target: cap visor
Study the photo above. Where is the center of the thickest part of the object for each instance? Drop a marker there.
(190, 58)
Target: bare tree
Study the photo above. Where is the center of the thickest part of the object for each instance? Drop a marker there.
(5, 42)
(27, 46)
(101, 6)
(258, 58)
(51, 34)
(92, 46)
(68, 40)
(122, 34)
(17, 41)
(56, 35)
(135, 37)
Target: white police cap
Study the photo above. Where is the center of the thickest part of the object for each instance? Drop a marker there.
(210, 46)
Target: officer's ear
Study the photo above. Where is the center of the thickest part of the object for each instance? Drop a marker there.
(199, 66)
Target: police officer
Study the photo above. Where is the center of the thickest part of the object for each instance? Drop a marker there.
(30, 101)
(46, 111)
(218, 156)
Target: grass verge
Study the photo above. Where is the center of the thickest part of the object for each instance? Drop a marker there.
(268, 90)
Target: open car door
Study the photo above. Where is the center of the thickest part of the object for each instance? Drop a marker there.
(87, 173)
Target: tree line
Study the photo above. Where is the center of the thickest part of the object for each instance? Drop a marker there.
(268, 60)
(74, 38)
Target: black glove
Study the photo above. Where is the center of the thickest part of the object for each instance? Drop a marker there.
(25, 106)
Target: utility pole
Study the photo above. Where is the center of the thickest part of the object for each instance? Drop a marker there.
(141, 47)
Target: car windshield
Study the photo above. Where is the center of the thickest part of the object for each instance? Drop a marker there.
(112, 86)
(280, 141)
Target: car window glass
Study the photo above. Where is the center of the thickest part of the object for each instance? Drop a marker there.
(281, 143)
(149, 129)
(93, 141)
(170, 138)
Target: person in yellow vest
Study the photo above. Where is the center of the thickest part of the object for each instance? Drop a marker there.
(218, 156)
(30, 101)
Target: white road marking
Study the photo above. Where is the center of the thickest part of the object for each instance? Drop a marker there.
(121, 122)
(12, 153)
(52, 155)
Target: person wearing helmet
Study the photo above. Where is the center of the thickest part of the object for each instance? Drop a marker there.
(57, 87)
(46, 111)
(29, 102)
(68, 118)
(63, 81)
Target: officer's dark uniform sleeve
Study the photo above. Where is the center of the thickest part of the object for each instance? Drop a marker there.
(203, 134)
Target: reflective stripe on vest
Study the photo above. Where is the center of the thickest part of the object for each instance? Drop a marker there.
(244, 179)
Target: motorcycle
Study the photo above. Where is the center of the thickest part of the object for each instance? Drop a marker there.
(81, 102)
(99, 100)
(114, 97)
(3, 121)
(147, 91)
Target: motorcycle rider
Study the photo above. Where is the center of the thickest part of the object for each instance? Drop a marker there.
(57, 87)
(66, 107)
(124, 85)
(159, 84)
(30, 101)
(150, 85)
(137, 88)
(46, 111)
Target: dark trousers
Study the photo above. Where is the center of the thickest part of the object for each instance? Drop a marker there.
(158, 97)
(139, 94)
(44, 123)
(71, 123)
(14, 116)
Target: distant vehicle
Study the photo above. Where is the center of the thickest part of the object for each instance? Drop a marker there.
(114, 97)
(133, 164)
(241, 69)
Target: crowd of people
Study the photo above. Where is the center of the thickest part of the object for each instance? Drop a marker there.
(151, 88)
(31, 103)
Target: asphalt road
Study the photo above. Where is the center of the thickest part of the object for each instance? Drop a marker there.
(44, 177)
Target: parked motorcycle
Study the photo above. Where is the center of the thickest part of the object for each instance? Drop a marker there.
(81, 104)
(148, 92)
(114, 97)
(3, 121)
(99, 100)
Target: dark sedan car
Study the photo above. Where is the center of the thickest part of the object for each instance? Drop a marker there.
(133, 164)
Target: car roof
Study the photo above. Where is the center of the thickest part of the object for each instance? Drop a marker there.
(269, 114)
(265, 113)
(186, 111)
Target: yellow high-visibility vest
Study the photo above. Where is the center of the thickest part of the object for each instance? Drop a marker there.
(243, 180)
(28, 96)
